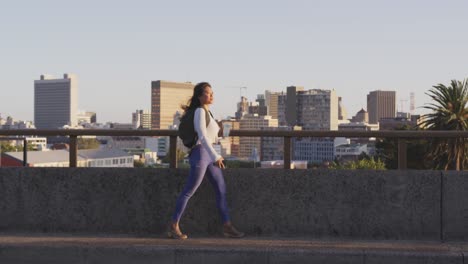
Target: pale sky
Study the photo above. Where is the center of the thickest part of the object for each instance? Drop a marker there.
(116, 48)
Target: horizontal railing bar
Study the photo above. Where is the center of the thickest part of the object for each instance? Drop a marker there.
(240, 133)
(11, 138)
(352, 134)
(87, 132)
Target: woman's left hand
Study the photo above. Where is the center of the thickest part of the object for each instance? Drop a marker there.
(220, 163)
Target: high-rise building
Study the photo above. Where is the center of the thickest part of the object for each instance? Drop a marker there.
(141, 119)
(271, 101)
(166, 100)
(312, 109)
(260, 107)
(55, 102)
(248, 145)
(381, 104)
(272, 148)
(242, 108)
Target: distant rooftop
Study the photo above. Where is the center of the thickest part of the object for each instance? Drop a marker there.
(37, 157)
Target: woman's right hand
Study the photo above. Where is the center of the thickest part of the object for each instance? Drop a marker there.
(220, 163)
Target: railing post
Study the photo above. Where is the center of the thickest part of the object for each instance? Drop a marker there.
(402, 154)
(287, 152)
(73, 151)
(25, 152)
(173, 151)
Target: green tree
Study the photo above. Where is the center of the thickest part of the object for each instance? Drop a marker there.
(138, 164)
(180, 156)
(449, 112)
(7, 147)
(88, 143)
(387, 151)
(363, 164)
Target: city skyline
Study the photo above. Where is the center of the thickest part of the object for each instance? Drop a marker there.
(117, 49)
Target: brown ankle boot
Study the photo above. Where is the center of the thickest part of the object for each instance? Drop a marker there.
(230, 231)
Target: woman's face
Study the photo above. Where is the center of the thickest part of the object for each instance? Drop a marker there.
(207, 97)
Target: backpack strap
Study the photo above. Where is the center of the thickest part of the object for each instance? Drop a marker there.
(207, 116)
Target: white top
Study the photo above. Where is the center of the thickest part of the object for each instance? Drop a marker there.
(207, 136)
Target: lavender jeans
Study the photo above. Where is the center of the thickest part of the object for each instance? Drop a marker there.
(200, 163)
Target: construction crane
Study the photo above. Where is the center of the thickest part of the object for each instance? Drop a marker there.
(240, 89)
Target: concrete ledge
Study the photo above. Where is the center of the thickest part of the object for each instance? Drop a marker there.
(23, 249)
(329, 204)
(455, 206)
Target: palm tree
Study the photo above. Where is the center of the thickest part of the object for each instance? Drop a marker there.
(449, 112)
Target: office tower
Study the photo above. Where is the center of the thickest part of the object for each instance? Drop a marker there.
(381, 104)
(166, 100)
(271, 101)
(312, 109)
(291, 104)
(261, 107)
(253, 122)
(272, 148)
(242, 108)
(55, 102)
(141, 119)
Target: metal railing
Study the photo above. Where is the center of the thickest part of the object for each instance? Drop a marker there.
(401, 136)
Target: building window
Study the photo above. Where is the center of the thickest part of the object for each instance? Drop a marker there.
(115, 161)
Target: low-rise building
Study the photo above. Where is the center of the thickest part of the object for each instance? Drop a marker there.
(400, 121)
(279, 164)
(60, 158)
(347, 152)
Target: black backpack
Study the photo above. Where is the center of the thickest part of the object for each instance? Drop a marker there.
(187, 129)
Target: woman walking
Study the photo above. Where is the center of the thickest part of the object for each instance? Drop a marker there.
(203, 160)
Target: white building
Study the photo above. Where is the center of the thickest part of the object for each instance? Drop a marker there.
(106, 158)
(55, 102)
(37, 143)
(225, 144)
(350, 151)
(141, 119)
(279, 164)
(359, 126)
(10, 123)
(60, 158)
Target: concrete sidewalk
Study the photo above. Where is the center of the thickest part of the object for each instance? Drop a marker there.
(65, 248)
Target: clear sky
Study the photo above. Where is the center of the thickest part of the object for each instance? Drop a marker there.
(117, 48)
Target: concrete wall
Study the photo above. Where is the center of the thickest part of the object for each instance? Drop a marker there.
(410, 205)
